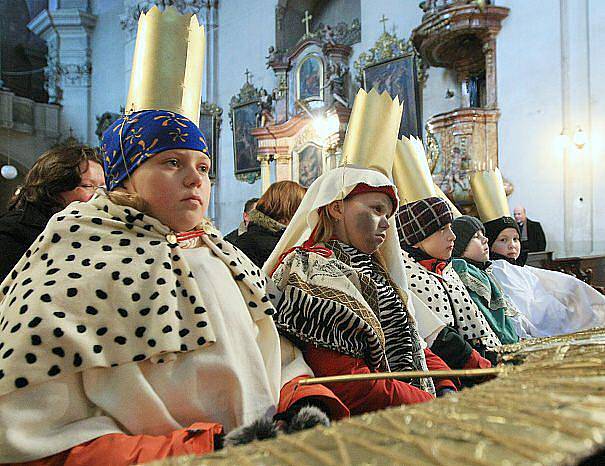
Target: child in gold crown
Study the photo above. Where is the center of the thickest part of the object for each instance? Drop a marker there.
(340, 295)
(131, 331)
(427, 241)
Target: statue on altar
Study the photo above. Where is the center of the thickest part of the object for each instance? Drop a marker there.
(265, 116)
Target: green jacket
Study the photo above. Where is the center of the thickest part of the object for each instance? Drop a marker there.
(489, 298)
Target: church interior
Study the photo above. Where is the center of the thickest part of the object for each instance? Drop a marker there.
(491, 108)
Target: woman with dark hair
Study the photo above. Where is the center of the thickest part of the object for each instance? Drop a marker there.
(59, 177)
(269, 219)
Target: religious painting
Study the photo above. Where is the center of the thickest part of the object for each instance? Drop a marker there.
(210, 122)
(244, 119)
(309, 78)
(399, 78)
(309, 165)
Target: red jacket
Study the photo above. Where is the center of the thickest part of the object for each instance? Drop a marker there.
(197, 439)
(370, 395)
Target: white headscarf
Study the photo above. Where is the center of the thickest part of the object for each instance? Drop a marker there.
(336, 185)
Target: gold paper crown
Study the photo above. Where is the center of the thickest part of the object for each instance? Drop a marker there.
(489, 194)
(372, 133)
(411, 171)
(412, 175)
(168, 64)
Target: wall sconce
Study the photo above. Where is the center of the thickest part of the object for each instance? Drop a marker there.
(579, 138)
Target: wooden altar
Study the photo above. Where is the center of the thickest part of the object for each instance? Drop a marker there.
(461, 36)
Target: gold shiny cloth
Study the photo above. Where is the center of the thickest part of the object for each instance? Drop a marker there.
(548, 409)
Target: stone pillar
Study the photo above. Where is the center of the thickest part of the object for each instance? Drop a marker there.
(579, 215)
(210, 19)
(265, 171)
(491, 85)
(283, 167)
(67, 26)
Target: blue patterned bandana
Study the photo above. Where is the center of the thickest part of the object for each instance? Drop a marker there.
(133, 138)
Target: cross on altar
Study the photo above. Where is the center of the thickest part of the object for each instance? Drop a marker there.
(306, 20)
(248, 74)
(384, 20)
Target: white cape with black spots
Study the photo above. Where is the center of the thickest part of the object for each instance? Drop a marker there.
(458, 310)
(232, 381)
(554, 302)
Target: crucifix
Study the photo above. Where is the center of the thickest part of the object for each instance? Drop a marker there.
(306, 20)
(384, 20)
(248, 74)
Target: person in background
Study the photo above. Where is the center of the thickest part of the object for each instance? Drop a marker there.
(269, 219)
(59, 177)
(243, 226)
(532, 234)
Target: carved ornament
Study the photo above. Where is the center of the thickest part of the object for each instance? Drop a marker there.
(130, 19)
(388, 47)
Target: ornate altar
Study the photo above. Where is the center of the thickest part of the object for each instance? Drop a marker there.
(301, 123)
(461, 35)
(244, 117)
(211, 119)
(393, 65)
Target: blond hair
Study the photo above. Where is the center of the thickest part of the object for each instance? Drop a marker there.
(122, 197)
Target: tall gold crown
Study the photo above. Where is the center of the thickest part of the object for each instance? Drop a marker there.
(489, 194)
(168, 64)
(411, 171)
(372, 133)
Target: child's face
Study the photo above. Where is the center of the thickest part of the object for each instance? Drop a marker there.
(507, 243)
(175, 185)
(440, 244)
(477, 248)
(363, 220)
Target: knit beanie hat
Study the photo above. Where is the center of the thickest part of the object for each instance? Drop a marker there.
(464, 228)
(494, 227)
(418, 220)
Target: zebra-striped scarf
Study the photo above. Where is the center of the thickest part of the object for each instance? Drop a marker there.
(346, 303)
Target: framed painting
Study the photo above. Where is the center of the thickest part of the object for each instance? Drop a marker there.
(210, 124)
(310, 166)
(244, 118)
(399, 77)
(310, 78)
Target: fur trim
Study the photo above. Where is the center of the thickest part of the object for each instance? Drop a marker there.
(256, 216)
(307, 418)
(261, 429)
